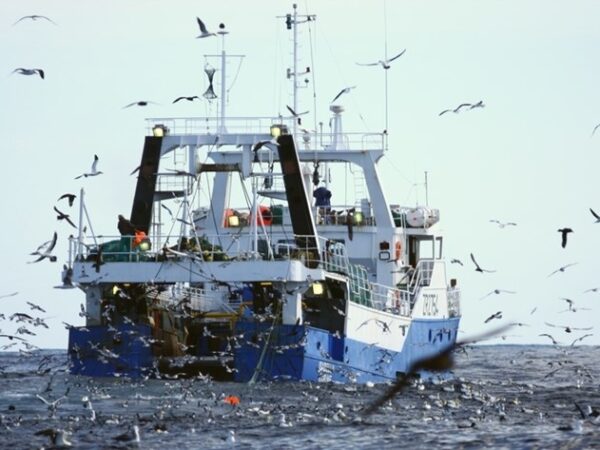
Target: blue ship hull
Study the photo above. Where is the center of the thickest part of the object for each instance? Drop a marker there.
(292, 352)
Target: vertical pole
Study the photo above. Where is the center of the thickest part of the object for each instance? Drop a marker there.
(222, 128)
(295, 67)
(385, 55)
(80, 236)
(426, 191)
(255, 217)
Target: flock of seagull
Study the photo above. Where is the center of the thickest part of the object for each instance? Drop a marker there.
(60, 438)
(564, 232)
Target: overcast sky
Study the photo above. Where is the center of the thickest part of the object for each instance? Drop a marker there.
(527, 157)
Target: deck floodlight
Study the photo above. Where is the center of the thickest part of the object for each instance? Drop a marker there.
(233, 221)
(145, 245)
(277, 129)
(358, 218)
(160, 130)
(317, 288)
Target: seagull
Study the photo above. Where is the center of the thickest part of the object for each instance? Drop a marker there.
(35, 307)
(478, 268)
(296, 115)
(140, 103)
(455, 110)
(569, 301)
(12, 294)
(561, 269)
(596, 289)
(12, 337)
(596, 216)
(497, 315)
(568, 329)
(384, 63)
(23, 71)
(497, 291)
(580, 339)
(67, 278)
(203, 31)
(63, 216)
(441, 361)
(595, 128)
(554, 341)
(94, 170)
(189, 99)
(133, 435)
(58, 438)
(342, 92)
(71, 198)
(34, 17)
(167, 209)
(45, 250)
(456, 261)
(565, 232)
(503, 224)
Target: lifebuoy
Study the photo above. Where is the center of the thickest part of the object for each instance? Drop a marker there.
(265, 216)
(398, 251)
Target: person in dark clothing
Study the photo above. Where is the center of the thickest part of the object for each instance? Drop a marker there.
(322, 197)
(126, 228)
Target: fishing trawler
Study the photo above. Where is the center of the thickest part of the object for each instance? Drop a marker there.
(227, 266)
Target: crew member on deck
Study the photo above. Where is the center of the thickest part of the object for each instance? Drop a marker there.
(322, 197)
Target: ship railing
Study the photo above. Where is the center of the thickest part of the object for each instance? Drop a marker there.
(423, 273)
(305, 141)
(207, 300)
(278, 214)
(196, 299)
(155, 248)
(453, 295)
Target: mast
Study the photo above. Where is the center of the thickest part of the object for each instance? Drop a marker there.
(223, 102)
(292, 21)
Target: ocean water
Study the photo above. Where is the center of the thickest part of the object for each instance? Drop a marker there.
(499, 397)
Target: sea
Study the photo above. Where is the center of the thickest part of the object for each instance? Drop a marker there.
(497, 396)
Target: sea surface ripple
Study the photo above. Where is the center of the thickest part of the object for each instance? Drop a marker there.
(501, 396)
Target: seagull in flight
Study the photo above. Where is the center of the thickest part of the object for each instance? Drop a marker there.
(35, 17)
(71, 198)
(203, 30)
(23, 71)
(35, 307)
(63, 216)
(455, 110)
(384, 63)
(595, 128)
(561, 269)
(478, 267)
(568, 329)
(189, 99)
(497, 315)
(342, 92)
(596, 216)
(503, 224)
(497, 291)
(554, 341)
(94, 171)
(569, 302)
(564, 232)
(581, 338)
(596, 289)
(45, 250)
(140, 103)
(456, 261)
